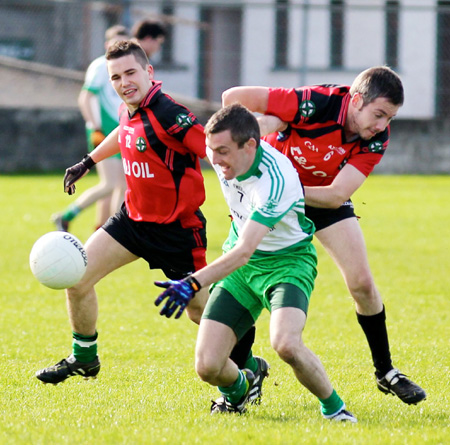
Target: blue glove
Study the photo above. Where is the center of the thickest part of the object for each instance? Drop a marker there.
(179, 294)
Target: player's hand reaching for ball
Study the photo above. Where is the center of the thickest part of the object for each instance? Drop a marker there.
(76, 172)
(178, 294)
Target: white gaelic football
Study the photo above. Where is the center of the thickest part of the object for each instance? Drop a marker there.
(58, 260)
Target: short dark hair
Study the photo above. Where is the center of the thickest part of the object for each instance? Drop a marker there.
(378, 81)
(236, 118)
(125, 48)
(116, 31)
(147, 28)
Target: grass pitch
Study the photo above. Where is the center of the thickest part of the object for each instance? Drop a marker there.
(148, 392)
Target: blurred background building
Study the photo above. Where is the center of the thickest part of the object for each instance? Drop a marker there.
(46, 45)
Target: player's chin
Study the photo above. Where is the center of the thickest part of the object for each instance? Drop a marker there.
(367, 135)
(226, 172)
(129, 100)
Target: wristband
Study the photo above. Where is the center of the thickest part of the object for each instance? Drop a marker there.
(195, 285)
(88, 162)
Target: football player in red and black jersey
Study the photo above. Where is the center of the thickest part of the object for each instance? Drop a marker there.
(160, 142)
(335, 135)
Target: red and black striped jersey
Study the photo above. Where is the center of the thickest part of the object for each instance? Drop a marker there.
(160, 146)
(315, 139)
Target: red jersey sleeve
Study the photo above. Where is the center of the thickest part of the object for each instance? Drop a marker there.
(369, 153)
(194, 140)
(283, 103)
(365, 164)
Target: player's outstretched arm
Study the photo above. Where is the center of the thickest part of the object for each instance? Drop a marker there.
(110, 146)
(270, 124)
(340, 190)
(178, 294)
(255, 99)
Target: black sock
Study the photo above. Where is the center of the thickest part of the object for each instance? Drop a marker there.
(242, 350)
(374, 326)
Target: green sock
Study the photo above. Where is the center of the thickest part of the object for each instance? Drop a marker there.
(251, 363)
(70, 213)
(235, 392)
(84, 347)
(332, 404)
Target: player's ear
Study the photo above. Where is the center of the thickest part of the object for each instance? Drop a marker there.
(357, 100)
(251, 143)
(151, 71)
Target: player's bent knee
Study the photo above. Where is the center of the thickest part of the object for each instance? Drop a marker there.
(286, 348)
(364, 291)
(361, 284)
(207, 370)
(78, 291)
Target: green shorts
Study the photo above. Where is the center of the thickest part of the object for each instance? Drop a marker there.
(266, 281)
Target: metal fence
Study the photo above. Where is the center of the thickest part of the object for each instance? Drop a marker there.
(211, 45)
(46, 46)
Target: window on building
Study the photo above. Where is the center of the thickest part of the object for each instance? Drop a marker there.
(281, 33)
(443, 60)
(167, 47)
(336, 33)
(392, 29)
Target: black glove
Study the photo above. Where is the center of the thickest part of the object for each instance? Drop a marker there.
(76, 172)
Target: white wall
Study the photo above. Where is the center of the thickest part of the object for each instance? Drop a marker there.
(186, 38)
(364, 46)
(418, 62)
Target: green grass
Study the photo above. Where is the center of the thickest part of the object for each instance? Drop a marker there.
(148, 391)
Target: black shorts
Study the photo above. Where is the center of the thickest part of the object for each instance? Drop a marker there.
(326, 217)
(176, 250)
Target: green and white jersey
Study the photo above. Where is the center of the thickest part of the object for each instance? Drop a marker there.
(271, 194)
(97, 82)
